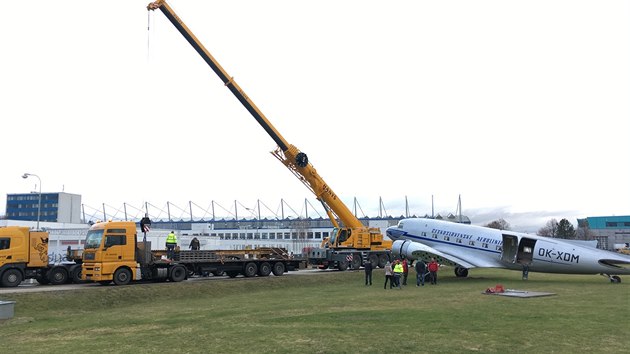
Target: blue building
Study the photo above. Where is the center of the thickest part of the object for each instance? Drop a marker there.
(55, 207)
(609, 231)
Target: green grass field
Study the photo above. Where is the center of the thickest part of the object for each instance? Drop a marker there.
(332, 312)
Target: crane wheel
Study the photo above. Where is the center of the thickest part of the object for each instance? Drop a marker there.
(342, 265)
(356, 261)
(382, 260)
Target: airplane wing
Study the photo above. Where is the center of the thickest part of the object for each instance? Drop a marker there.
(419, 250)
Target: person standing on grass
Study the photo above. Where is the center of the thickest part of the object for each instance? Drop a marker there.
(421, 268)
(398, 271)
(368, 272)
(388, 275)
(433, 269)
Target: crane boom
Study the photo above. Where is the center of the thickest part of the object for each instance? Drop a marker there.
(353, 233)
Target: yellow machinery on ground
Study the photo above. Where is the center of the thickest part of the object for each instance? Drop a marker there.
(351, 243)
(24, 255)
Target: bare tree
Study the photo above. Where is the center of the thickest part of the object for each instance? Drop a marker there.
(499, 224)
(550, 229)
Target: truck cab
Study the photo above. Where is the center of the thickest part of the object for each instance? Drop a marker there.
(110, 251)
(113, 254)
(24, 255)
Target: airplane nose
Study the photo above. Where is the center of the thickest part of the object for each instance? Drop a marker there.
(394, 233)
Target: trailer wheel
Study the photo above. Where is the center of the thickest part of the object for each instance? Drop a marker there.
(264, 269)
(250, 269)
(122, 276)
(12, 278)
(178, 273)
(278, 269)
(75, 274)
(58, 276)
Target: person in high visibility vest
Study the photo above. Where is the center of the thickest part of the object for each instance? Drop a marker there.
(398, 271)
(171, 243)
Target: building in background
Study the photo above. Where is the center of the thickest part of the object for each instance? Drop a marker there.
(55, 207)
(607, 230)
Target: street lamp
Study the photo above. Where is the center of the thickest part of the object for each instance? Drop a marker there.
(39, 205)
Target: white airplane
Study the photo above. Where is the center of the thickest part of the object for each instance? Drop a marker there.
(468, 246)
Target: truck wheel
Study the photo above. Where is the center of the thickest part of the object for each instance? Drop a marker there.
(42, 280)
(278, 269)
(178, 273)
(264, 269)
(12, 278)
(75, 274)
(58, 276)
(250, 269)
(122, 276)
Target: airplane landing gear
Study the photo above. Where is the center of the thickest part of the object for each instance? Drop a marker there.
(613, 278)
(461, 272)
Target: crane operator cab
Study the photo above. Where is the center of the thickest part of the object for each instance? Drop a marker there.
(337, 236)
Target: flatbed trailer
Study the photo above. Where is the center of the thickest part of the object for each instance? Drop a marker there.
(113, 254)
(250, 262)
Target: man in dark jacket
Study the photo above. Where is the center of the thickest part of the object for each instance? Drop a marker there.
(368, 272)
(421, 269)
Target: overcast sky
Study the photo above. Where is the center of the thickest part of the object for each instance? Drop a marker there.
(520, 107)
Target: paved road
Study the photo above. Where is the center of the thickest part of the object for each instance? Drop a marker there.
(30, 285)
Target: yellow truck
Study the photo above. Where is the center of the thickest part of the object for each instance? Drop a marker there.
(24, 255)
(113, 254)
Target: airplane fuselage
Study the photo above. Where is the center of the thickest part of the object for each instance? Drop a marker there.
(470, 246)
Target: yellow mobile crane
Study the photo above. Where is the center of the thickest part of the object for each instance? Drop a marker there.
(351, 243)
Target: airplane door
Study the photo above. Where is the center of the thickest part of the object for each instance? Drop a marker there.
(510, 248)
(525, 251)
